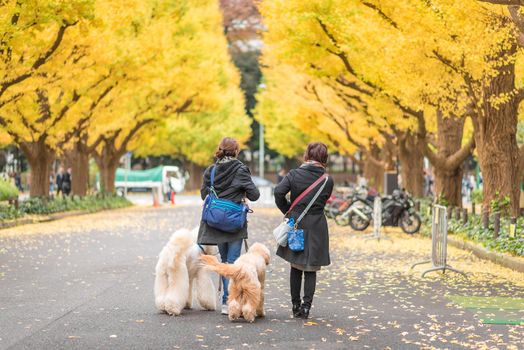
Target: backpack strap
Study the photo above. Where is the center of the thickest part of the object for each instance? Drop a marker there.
(306, 192)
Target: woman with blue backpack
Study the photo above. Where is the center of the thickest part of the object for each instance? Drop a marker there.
(307, 247)
(225, 186)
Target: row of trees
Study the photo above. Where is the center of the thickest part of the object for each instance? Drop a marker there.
(86, 78)
(401, 79)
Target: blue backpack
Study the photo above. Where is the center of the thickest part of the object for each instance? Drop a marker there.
(223, 214)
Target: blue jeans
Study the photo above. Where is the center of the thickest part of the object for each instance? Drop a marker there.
(229, 253)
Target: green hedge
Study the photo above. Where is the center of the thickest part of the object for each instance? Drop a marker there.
(44, 206)
(474, 231)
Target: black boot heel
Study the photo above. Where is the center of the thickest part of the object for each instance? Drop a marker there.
(304, 312)
(296, 311)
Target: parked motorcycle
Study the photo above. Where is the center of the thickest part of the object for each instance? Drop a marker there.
(397, 210)
(340, 201)
(357, 214)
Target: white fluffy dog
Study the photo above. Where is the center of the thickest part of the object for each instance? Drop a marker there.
(178, 269)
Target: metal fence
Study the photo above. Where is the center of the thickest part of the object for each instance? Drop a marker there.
(439, 241)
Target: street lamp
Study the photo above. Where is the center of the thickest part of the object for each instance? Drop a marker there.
(261, 143)
(261, 149)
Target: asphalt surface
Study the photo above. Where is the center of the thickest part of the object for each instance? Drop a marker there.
(87, 283)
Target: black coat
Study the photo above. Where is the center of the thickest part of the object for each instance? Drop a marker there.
(314, 224)
(232, 181)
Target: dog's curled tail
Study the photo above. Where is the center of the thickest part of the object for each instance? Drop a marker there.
(226, 270)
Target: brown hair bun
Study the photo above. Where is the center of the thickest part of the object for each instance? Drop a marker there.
(228, 147)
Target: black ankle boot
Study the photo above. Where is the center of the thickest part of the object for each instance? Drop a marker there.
(304, 312)
(296, 310)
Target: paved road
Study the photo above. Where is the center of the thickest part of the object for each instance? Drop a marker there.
(86, 283)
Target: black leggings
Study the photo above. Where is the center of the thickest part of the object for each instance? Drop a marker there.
(295, 281)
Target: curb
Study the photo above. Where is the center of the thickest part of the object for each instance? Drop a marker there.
(481, 252)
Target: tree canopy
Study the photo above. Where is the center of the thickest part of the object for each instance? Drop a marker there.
(105, 77)
(379, 71)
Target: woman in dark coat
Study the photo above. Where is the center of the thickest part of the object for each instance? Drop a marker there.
(232, 181)
(314, 224)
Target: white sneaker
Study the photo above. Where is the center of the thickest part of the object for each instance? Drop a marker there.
(224, 310)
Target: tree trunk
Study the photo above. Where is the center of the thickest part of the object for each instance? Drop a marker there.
(107, 175)
(39, 156)
(107, 161)
(448, 181)
(495, 135)
(373, 171)
(78, 160)
(196, 174)
(411, 157)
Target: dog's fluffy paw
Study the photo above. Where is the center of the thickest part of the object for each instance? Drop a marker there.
(234, 310)
(208, 306)
(160, 304)
(173, 310)
(249, 315)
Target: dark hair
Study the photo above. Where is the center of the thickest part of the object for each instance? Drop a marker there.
(228, 147)
(317, 151)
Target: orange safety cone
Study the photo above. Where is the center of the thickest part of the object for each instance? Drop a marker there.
(173, 197)
(155, 199)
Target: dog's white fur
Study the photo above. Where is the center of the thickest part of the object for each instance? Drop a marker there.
(178, 270)
(246, 286)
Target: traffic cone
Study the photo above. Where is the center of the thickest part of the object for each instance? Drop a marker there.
(173, 197)
(155, 199)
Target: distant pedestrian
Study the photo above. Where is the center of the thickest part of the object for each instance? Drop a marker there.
(66, 183)
(428, 184)
(51, 184)
(59, 179)
(18, 182)
(316, 236)
(362, 182)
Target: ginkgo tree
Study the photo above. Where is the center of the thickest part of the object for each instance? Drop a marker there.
(193, 99)
(431, 60)
(125, 67)
(31, 34)
(31, 106)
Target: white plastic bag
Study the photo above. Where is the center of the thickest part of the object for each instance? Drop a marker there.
(280, 233)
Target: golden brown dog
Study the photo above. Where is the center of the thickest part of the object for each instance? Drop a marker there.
(246, 285)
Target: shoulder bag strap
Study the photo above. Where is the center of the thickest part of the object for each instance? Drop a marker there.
(212, 187)
(306, 192)
(311, 202)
